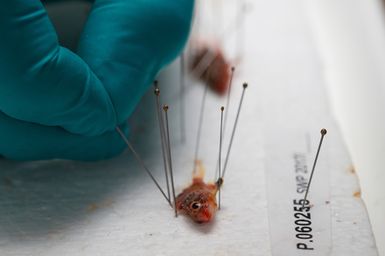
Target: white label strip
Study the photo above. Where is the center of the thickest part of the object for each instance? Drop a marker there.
(295, 230)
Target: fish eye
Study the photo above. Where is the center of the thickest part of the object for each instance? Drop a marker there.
(195, 205)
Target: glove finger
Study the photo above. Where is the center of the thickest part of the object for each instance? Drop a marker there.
(126, 43)
(44, 83)
(27, 141)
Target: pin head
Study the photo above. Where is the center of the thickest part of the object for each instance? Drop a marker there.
(156, 91)
(222, 108)
(323, 131)
(232, 69)
(219, 182)
(165, 107)
(156, 83)
(245, 85)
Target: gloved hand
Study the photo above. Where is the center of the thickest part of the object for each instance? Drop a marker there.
(58, 104)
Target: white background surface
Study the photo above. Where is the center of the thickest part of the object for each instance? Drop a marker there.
(351, 40)
(65, 208)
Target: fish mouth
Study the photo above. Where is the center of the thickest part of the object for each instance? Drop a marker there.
(205, 216)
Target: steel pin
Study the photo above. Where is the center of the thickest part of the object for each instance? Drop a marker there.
(323, 133)
(226, 109)
(141, 162)
(245, 85)
(162, 136)
(165, 108)
(220, 157)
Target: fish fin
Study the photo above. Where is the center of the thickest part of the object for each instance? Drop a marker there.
(199, 171)
(213, 188)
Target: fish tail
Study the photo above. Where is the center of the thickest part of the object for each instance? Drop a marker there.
(199, 171)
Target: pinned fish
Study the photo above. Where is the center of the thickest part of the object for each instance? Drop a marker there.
(198, 201)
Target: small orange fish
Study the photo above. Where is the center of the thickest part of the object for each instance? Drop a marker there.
(198, 201)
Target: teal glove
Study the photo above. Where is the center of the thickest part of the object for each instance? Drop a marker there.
(58, 104)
